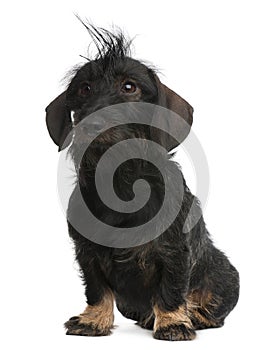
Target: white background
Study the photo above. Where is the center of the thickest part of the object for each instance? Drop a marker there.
(214, 54)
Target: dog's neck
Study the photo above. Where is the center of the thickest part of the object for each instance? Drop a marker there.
(123, 177)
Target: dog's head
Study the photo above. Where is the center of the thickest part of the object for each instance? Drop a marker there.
(111, 78)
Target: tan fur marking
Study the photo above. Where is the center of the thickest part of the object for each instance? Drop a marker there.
(100, 315)
(203, 320)
(164, 319)
(201, 300)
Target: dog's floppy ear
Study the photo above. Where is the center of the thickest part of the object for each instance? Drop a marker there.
(58, 120)
(179, 124)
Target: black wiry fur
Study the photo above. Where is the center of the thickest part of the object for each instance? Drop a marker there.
(175, 269)
(109, 45)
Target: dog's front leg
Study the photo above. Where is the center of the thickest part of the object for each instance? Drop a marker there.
(96, 320)
(98, 317)
(172, 321)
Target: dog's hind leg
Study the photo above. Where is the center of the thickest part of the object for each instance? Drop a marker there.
(210, 303)
(201, 306)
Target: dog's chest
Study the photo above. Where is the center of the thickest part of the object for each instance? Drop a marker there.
(132, 275)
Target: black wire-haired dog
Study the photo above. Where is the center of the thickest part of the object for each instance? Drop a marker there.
(176, 283)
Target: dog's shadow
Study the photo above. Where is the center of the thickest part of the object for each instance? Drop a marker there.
(127, 329)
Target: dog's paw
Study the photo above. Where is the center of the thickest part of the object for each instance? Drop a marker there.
(175, 332)
(75, 326)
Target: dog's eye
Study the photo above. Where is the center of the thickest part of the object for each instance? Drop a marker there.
(128, 87)
(84, 89)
